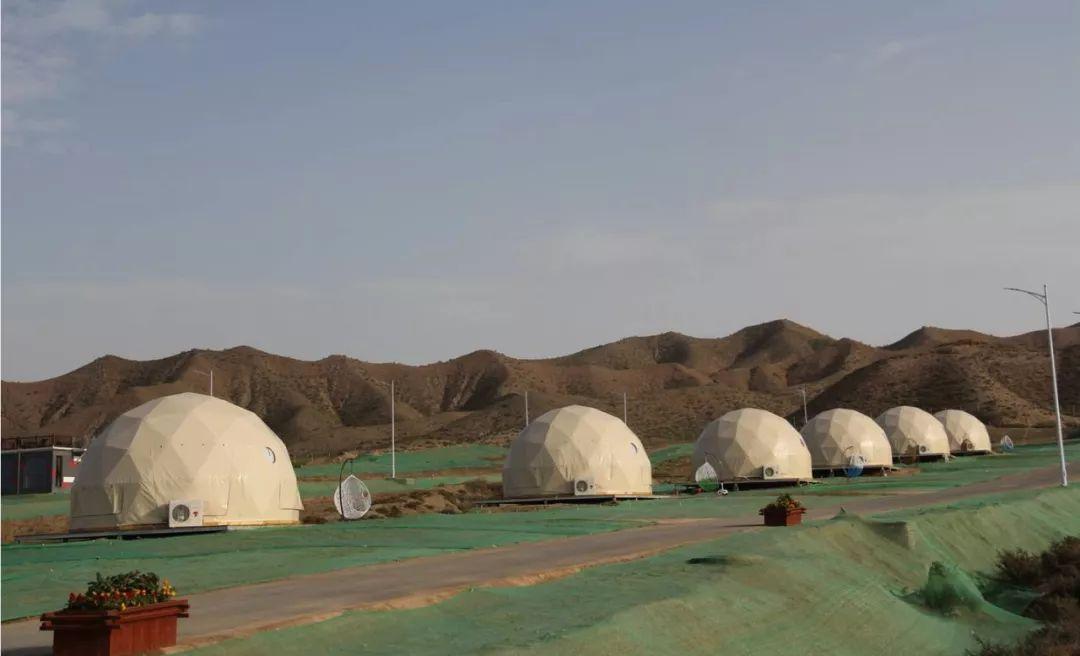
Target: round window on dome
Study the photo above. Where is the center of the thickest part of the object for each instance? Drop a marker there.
(270, 455)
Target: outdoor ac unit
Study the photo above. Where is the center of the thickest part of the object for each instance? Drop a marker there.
(185, 513)
(584, 487)
(769, 472)
(923, 448)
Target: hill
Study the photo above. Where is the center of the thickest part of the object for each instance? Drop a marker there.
(675, 384)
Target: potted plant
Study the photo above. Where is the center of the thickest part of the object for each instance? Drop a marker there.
(127, 613)
(785, 511)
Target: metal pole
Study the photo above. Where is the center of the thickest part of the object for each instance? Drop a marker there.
(211, 382)
(1045, 300)
(393, 435)
(526, 408)
(624, 408)
(1053, 377)
(805, 417)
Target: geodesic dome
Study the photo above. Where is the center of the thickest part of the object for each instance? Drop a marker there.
(913, 432)
(571, 444)
(752, 444)
(185, 447)
(834, 437)
(966, 433)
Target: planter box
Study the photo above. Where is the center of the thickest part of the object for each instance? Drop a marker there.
(114, 632)
(782, 517)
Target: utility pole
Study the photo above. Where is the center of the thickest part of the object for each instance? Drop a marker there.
(526, 408)
(211, 375)
(393, 434)
(1045, 300)
(624, 408)
(805, 416)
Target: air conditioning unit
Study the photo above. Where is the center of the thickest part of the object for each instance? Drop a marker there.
(584, 487)
(184, 513)
(769, 472)
(923, 448)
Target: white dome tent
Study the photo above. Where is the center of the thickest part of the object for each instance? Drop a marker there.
(966, 433)
(572, 445)
(752, 445)
(185, 447)
(914, 433)
(839, 438)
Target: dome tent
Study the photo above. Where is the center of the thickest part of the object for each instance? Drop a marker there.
(835, 436)
(914, 432)
(185, 447)
(576, 443)
(752, 444)
(966, 433)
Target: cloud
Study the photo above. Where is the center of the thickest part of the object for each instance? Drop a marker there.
(893, 50)
(42, 43)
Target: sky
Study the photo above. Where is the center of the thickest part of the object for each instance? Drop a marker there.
(411, 181)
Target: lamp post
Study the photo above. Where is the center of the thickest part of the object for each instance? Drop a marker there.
(211, 375)
(1044, 299)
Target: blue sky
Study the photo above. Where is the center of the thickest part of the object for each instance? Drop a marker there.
(410, 181)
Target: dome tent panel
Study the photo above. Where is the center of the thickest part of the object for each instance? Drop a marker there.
(913, 432)
(573, 443)
(185, 447)
(835, 436)
(742, 443)
(965, 432)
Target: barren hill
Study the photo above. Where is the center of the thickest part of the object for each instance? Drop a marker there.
(675, 384)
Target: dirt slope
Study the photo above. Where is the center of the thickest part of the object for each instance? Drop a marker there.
(675, 384)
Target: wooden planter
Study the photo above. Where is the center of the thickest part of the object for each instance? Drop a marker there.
(782, 517)
(114, 632)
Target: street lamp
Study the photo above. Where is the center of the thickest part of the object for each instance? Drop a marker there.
(211, 374)
(1042, 298)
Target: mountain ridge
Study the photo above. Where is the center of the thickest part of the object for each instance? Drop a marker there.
(676, 383)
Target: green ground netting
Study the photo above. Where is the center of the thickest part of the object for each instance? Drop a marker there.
(841, 587)
(34, 577)
(25, 506)
(670, 453)
(408, 462)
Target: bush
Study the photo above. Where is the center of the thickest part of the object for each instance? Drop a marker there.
(1055, 575)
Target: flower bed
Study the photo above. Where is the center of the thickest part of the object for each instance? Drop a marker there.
(785, 511)
(117, 615)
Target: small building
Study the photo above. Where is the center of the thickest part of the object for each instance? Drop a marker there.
(576, 446)
(751, 445)
(39, 464)
(914, 434)
(842, 438)
(967, 435)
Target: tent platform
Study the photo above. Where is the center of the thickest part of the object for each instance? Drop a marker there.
(582, 498)
(129, 534)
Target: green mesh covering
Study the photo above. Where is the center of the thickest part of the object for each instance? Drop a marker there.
(25, 506)
(839, 587)
(438, 459)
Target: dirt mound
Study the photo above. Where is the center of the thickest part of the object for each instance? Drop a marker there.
(675, 384)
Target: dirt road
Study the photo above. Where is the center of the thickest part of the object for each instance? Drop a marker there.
(243, 610)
